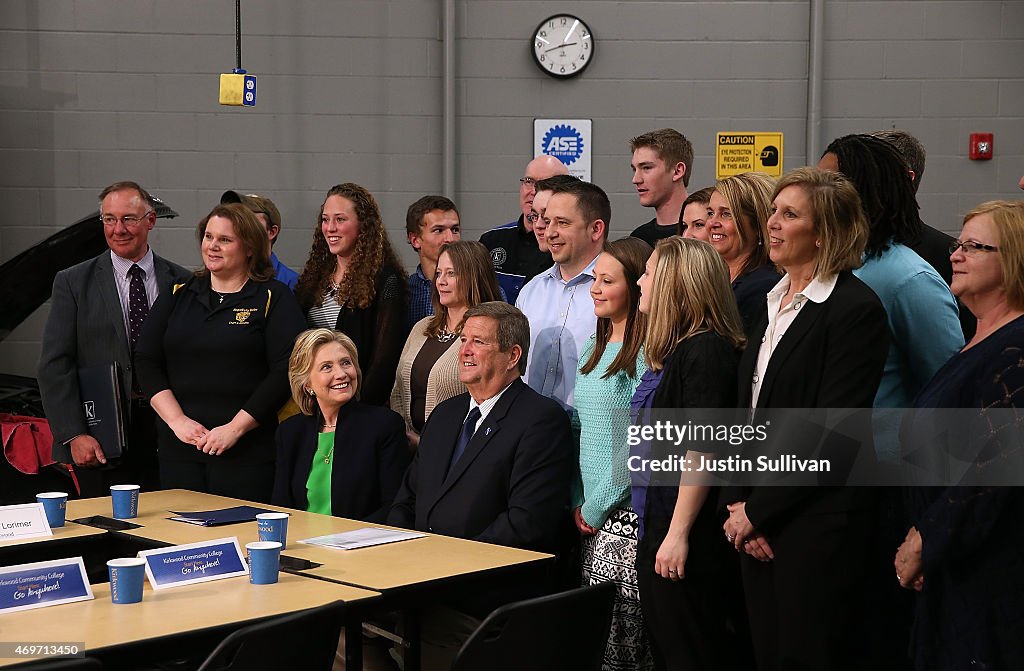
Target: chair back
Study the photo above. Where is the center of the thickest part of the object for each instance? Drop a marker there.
(305, 640)
(568, 630)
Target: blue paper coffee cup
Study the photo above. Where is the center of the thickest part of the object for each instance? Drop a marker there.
(54, 505)
(126, 579)
(264, 560)
(125, 500)
(273, 527)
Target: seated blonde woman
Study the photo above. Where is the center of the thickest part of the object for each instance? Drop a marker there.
(365, 442)
(428, 370)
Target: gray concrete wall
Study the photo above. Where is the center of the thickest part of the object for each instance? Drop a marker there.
(92, 91)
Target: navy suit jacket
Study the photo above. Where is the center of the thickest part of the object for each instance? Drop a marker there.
(511, 485)
(370, 455)
(86, 328)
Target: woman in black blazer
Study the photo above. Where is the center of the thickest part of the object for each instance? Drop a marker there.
(821, 343)
(339, 457)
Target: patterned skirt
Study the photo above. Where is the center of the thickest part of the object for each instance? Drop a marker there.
(610, 556)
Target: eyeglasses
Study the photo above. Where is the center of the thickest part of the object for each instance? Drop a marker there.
(129, 220)
(527, 182)
(971, 247)
(532, 217)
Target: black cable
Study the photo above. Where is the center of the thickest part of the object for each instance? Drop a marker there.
(238, 34)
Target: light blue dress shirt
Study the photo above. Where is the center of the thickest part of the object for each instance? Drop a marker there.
(561, 314)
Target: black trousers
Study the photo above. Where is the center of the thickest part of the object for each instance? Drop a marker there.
(694, 624)
(807, 606)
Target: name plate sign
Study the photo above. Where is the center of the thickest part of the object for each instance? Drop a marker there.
(45, 583)
(194, 562)
(24, 520)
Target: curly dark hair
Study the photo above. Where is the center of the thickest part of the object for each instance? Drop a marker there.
(372, 252)
(886, 191)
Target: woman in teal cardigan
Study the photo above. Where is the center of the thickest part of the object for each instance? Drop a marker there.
(610, 368)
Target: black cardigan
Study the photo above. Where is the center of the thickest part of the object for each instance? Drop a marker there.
(379, 334)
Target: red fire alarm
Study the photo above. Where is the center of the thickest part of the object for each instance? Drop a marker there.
(981, 146)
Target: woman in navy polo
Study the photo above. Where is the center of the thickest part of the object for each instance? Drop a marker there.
(213, 358)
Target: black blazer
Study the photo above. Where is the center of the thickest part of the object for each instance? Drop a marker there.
(370, 455)
(831, 356)
(511, 486)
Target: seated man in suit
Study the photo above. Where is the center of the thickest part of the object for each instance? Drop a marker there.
(493, 465)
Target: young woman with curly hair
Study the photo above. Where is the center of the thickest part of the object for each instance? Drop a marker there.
(353, 282)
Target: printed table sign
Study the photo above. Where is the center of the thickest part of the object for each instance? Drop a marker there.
(24, 520)
(45, 583)
(194, 562)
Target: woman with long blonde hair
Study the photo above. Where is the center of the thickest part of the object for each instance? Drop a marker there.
(692, 349)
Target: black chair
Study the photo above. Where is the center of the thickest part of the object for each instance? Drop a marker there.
(305, 640)
(558, 632)
(81, 664)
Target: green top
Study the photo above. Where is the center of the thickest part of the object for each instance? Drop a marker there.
(318, 484)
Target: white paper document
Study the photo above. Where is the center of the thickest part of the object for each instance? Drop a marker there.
(362, 538)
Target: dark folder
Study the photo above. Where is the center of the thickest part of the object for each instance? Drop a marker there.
(216, 518)
(103, 403)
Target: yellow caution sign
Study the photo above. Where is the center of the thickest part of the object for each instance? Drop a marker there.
(746, 152)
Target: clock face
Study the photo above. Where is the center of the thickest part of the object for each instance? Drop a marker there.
(563, 45)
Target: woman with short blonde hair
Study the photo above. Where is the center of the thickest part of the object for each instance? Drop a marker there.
(958, 552)
(301, 363)
(821, 343)
(366, 442)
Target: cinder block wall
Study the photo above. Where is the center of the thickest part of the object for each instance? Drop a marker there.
(93, 91)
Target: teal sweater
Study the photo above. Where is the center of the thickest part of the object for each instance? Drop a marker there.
(602, 417)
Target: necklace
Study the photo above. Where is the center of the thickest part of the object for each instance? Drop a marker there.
(221, 295)
(330, 453)
(445, 335)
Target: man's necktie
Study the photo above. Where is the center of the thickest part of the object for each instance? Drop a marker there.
(468, 428)
(138, 304)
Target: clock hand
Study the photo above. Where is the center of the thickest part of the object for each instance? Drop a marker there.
(541, 39)
(560, 46)
(569, 34)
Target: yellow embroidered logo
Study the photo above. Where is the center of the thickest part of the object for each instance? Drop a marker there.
(242, 315)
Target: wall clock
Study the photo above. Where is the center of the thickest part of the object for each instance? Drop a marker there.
(563, 46)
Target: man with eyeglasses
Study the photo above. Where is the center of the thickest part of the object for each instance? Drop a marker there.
(96, 312)
(514, 250)
(268, 215)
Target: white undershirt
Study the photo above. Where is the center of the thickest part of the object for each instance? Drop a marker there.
(781, 318)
